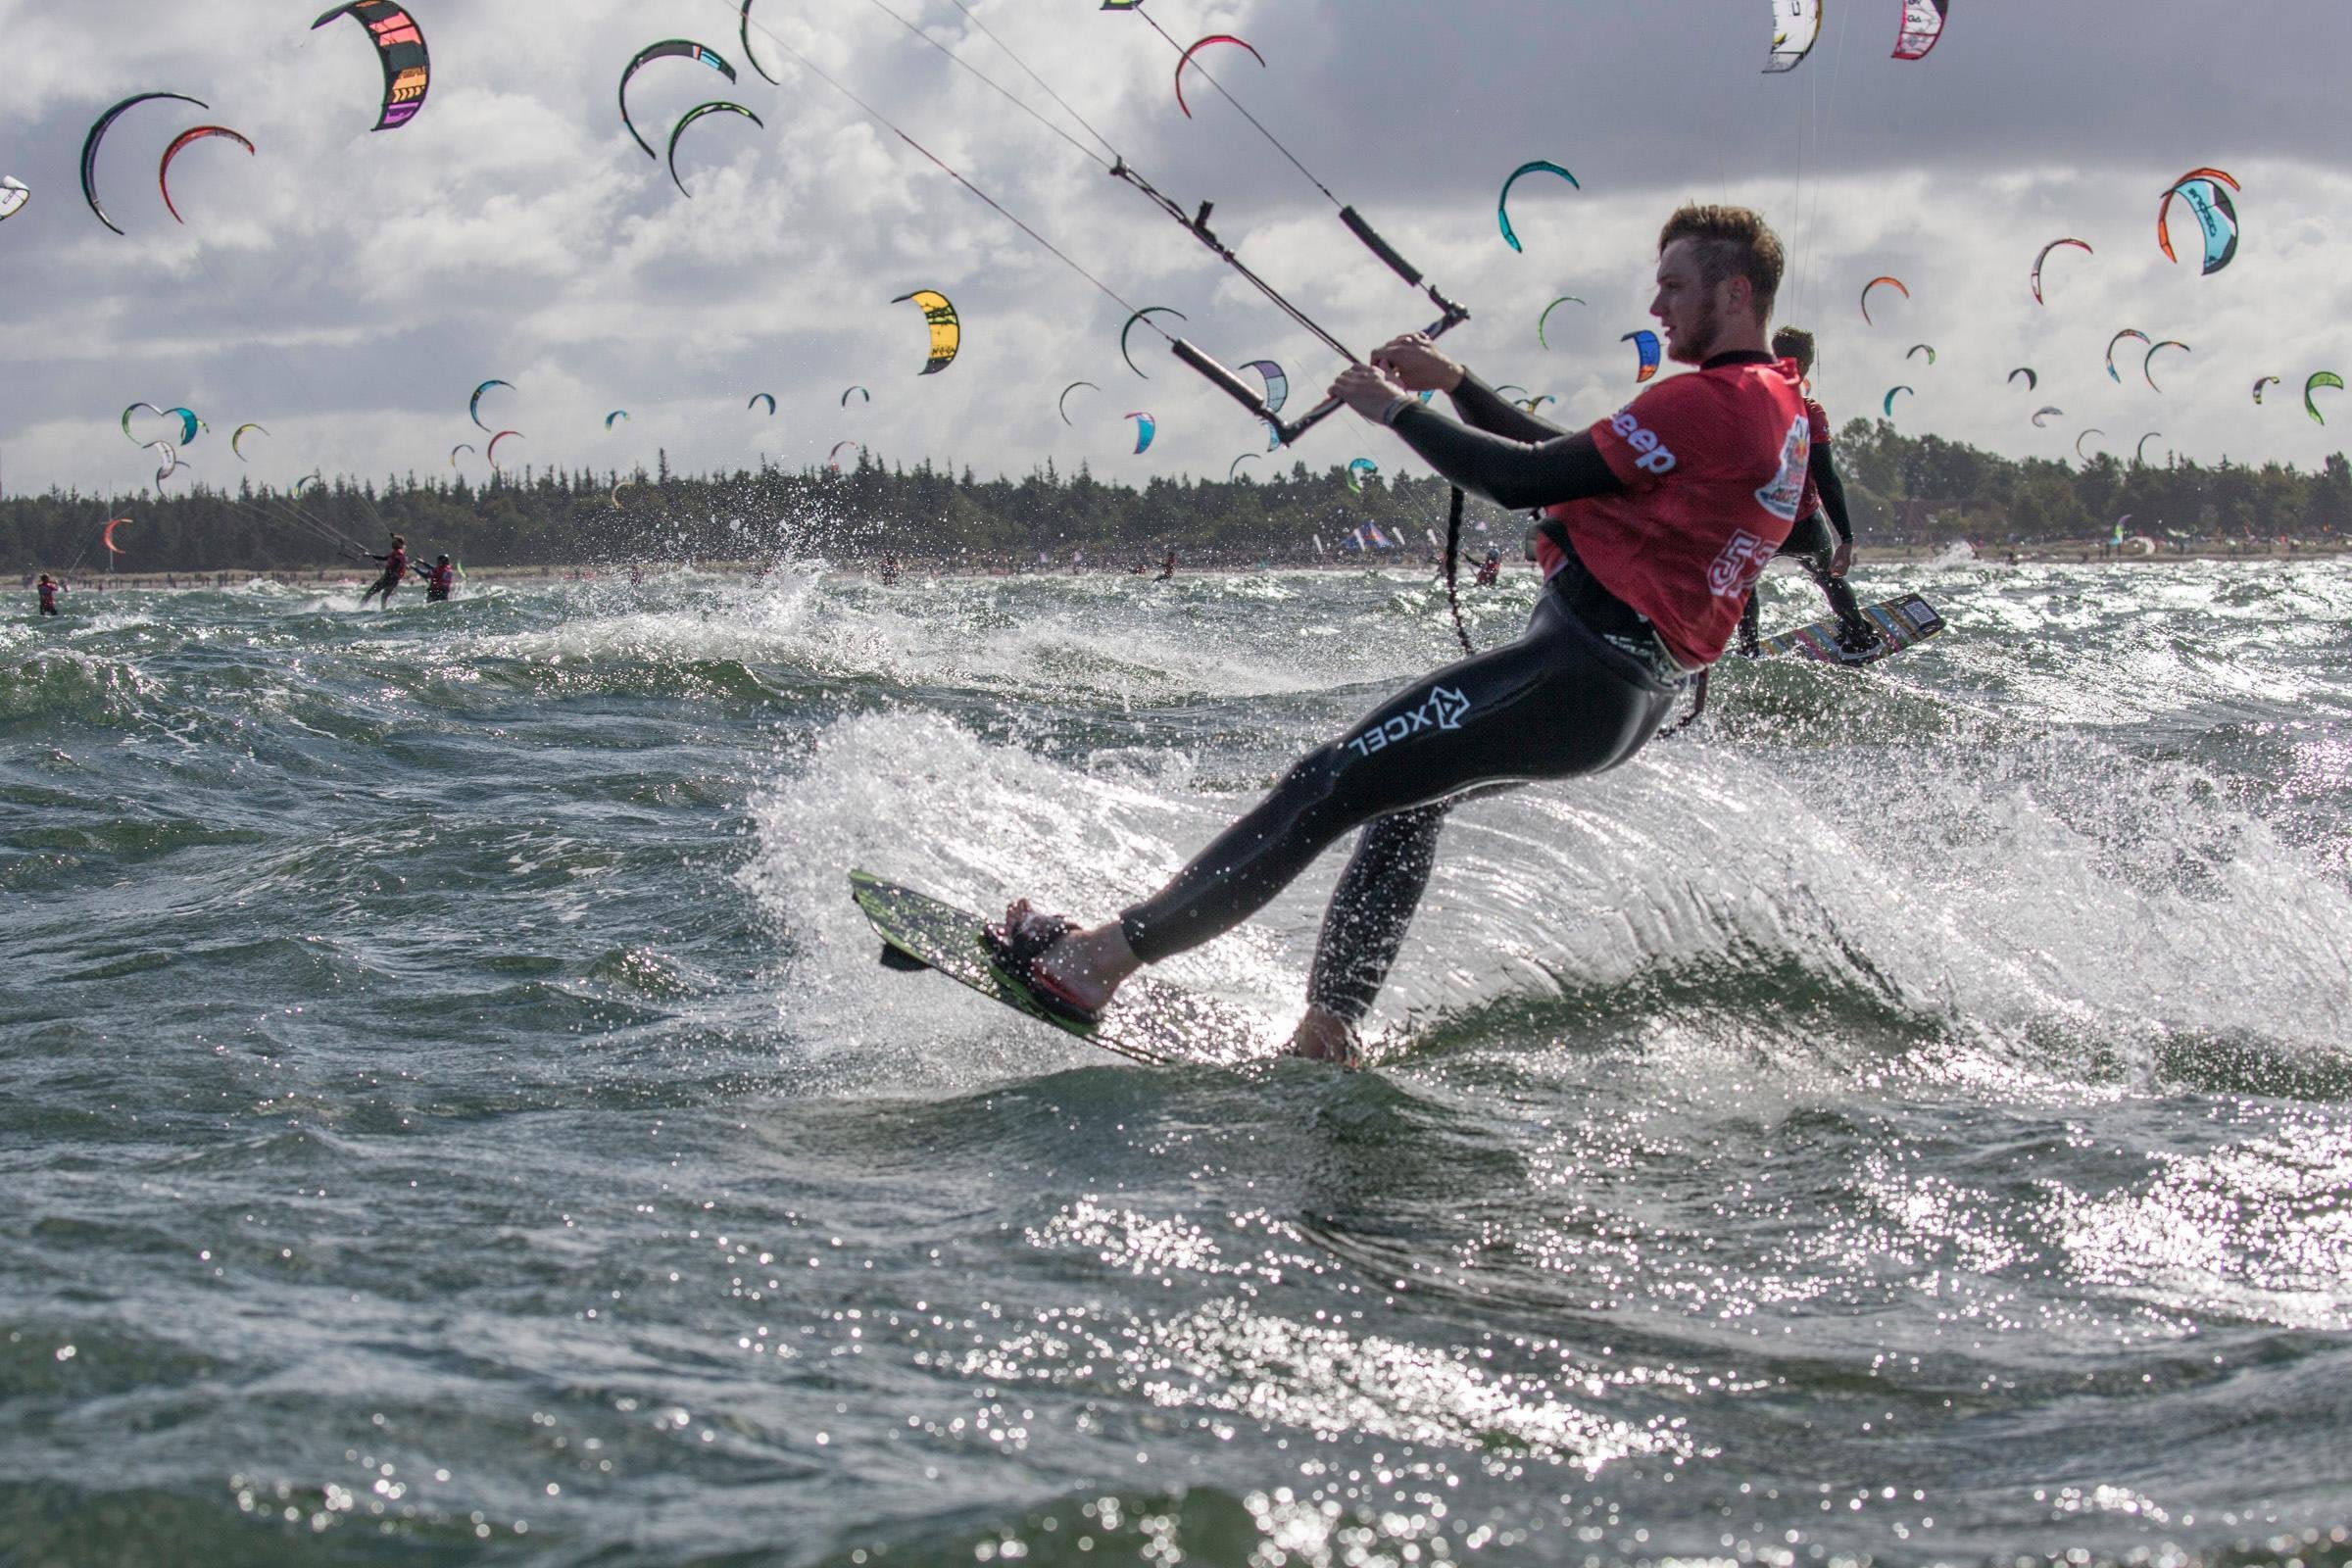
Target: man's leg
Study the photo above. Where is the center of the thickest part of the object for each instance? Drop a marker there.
(1553, 704)
(1855, 630)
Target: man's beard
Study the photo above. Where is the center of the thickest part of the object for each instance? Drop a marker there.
(1690, 347)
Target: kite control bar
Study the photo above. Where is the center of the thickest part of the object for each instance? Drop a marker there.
(1232, 385)
(1455, 316)
(1242, 392)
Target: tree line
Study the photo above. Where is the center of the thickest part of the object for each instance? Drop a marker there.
(1903, 490)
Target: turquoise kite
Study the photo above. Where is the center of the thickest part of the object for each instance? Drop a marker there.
(1503, 208)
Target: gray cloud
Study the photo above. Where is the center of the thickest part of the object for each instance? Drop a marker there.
(348, 289)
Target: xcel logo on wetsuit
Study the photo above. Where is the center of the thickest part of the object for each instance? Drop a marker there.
(1444, 711)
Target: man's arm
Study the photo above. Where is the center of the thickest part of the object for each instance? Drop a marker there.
(1515, 474)
(1832, 491)
(1484, 409)
(1826, 479)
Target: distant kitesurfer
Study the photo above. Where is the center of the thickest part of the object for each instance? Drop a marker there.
(1809, 543)
(49, 589)
(439, 581)
(395, 568)
(1490, 570)
(1167, 568)
(1657, 521)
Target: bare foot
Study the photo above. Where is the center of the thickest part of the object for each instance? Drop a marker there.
(1326, 1037)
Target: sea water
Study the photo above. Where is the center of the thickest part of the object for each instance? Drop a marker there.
(452, 1110)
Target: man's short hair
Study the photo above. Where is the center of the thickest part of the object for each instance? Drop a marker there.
(1731, 242)
(1794, 343)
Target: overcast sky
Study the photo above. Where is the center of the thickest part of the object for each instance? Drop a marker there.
(348, 289)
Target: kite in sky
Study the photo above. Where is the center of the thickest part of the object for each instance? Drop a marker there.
(1148, 310)
(2148, 364)
(947, 328)
(1186, 59)
(163, 175)
(692, 114)
(1503, 203)
(2046, 256)
(400, 47)
(1565, 299)
(2216, 215)
(1795, 24)
(473, 405)
(1895, 284)
(97, 135)
(667, 49)
(1278, 385)
(1922, 28)
(2128, 331)
(1645, 344)
(2318, 379)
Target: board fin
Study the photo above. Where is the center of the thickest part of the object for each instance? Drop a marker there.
(899, 959)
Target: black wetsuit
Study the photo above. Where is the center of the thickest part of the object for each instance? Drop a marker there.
(1581, 691)
(396, 568)
(1812, 545)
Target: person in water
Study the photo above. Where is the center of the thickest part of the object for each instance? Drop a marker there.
(396, 570)
(1656, 522)
(1490, 570)
(1167, 568)
(49, 588)
(439, 581)
(1826, 558)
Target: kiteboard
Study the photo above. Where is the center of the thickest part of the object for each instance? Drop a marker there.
(1902, 624)
(1150, 1022)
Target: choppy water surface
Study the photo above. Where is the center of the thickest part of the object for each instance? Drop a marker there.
(452, 1111)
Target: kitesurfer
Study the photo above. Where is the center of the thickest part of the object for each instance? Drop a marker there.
(396, 568)
(1167, 568)
(439, 581)
(1490, 570)
(1810, 543)
(49, 589)
(1657, 521)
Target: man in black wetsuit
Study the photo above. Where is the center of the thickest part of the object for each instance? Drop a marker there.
(1657, 521)
(1809, 543)
(395, 568)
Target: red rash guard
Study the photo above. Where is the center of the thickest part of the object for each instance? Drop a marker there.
(1713, 465)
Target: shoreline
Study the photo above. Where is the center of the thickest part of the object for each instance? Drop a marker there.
(2066, 552)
